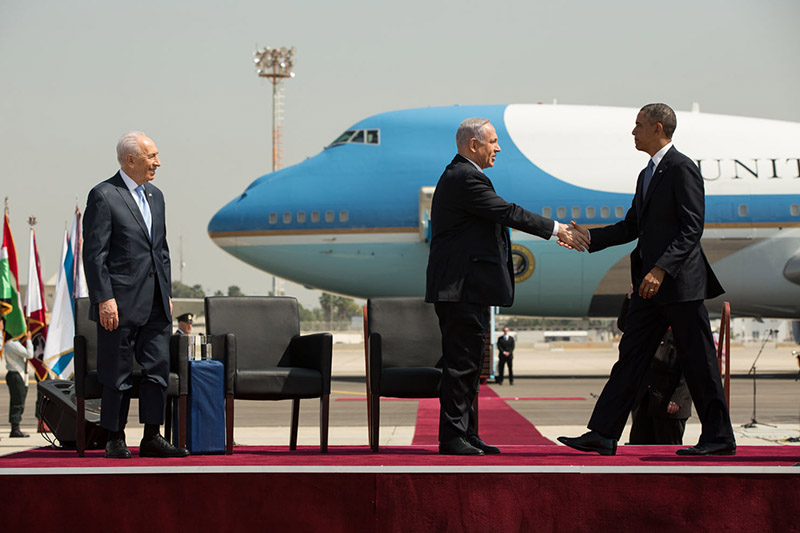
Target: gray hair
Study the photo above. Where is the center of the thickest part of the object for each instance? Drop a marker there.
(664, 114)
(471, 127)
(128, 144)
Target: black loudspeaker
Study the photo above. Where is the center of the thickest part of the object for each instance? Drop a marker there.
(57, 408)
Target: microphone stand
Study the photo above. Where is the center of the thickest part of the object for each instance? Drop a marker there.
(753, 423)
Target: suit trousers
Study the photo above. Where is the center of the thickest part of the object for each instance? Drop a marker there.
(463, 327)
(116, 350)
(645, 326)
(17, 391)
(502, 361)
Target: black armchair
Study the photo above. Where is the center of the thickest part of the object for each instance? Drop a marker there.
(404, 349)
(88, 386)
(268, 359)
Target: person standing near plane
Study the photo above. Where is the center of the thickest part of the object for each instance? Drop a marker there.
(470, 269)
(505, 347)
(127, 264)
(672, 277)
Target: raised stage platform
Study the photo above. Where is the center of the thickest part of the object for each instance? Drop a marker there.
(411, 488)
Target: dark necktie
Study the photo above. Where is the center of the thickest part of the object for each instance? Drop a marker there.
(648, 175)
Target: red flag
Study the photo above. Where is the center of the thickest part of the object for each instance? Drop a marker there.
(35, 308)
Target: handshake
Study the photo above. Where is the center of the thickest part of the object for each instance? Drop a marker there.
(573, 236)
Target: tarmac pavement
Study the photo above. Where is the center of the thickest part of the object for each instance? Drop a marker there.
(563, 372)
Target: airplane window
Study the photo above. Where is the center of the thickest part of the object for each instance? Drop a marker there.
(576, 212)
(547, 212)
(358, 137)
(273, 218)
(314, 216)
(287, 218)
(743, 210)
(344, 216)
(373, 137)
(328, 216)
(561, 212)
(301, 216)
(619, 211)
(795, 210)
(590, 212)
(605, 212)
(343, 138)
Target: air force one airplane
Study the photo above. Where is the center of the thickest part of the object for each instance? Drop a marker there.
(354, 219)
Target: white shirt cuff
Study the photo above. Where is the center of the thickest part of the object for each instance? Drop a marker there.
(555, 228)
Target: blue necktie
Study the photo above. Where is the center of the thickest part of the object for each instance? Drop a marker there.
(648, 175)
(144, 207)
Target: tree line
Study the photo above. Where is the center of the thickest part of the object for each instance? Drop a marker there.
(331, 307)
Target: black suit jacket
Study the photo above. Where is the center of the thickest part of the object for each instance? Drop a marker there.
(506, 345)
(668, 223)
(665, 383)
(470, 256)
(120, 259)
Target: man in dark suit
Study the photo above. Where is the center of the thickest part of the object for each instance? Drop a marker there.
(505, 356)
(470, 269)
(127, 265)
(672, 277)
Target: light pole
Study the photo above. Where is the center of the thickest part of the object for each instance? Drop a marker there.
(275, 64)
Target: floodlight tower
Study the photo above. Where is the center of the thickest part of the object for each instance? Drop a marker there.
(275, 64)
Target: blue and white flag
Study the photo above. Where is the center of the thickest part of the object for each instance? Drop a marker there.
(58, 351)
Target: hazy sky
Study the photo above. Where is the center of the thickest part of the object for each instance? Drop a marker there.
(75, 75)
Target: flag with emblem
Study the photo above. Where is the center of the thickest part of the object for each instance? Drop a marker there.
(35, 307)
(10, 303)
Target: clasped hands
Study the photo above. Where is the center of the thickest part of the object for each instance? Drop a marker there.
(576, 237)
(573, 236)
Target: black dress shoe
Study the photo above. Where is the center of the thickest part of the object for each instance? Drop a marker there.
(116, 449)
(17, 434)
(476, 442)
(591, 442)
(709, 448)
(159, 447)
(458, 446)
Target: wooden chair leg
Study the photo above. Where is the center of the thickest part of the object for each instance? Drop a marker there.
(168, 420)
(229, 424)
(182, 418)
(80, 426)
(295, 423)
(324, 413)
(375, 423)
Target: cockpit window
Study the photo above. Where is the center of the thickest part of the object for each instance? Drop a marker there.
(359, 137)
(343, 138)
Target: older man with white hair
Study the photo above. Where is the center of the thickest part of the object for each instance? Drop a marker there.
(127, 265)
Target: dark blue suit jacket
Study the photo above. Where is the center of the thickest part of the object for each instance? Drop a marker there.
(668, 224)
(120, 260)
(470, 256)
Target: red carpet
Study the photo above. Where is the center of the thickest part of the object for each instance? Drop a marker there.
(523, 457)
(499, 424)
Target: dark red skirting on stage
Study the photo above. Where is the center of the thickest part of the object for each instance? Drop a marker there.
(526, 488)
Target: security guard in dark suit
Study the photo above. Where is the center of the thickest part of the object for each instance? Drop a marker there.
(470, 269)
